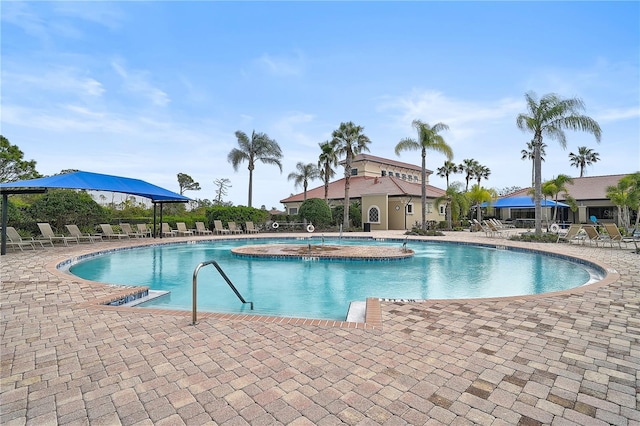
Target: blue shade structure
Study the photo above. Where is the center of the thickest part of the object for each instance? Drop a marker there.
(524, 202)
(90, 182)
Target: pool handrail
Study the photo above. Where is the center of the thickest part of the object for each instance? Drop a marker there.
(195, 287)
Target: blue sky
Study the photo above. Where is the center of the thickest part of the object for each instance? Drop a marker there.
(152, 89)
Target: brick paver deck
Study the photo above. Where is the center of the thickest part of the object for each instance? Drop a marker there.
(570, 358)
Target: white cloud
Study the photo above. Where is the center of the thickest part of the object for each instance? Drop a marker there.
(137, 82)
(283, 65)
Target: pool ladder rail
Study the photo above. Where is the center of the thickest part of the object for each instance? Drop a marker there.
(195, 287)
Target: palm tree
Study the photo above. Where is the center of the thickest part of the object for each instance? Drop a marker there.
(585, 157)
(626, 196)
(326, 162)
(428, 138)
(467, 167)
(556, 186)
(348, 140)
(481, 172)
(305, 173)
(527, 154)
(479, 195)
(456, 202)
(551, 116)
(259, 148)
(448, 169)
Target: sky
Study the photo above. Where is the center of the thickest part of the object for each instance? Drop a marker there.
(148, 90)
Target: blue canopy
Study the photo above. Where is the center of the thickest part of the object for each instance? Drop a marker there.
(96, 182)
(524, 202)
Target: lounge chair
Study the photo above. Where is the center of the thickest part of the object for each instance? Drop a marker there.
(167, 231)
(182, 229)
(614, 236)
(593, 236)
(142, 228)
(107, 231)
(491, 230)
(201, 229)
(251, 229)
(217, 224)
(15, 240)
(572, 234)
(74, 231)
(233, 228)
(48, 234)
(127, 229)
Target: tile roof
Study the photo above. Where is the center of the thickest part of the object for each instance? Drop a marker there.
(584, 188)
(381, 160)
(364, 185)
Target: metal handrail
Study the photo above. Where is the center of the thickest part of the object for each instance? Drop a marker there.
(195, 286)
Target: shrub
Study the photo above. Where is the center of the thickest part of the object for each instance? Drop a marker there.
(65, 206)
(316, 211)
(531, 237)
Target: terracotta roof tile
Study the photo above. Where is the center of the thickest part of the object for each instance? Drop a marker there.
(363, 185)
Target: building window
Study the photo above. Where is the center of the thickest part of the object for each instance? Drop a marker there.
(404, 177)
(410, 178)
(293, 210)
(397, 174)
(354, 172)
(442, 208)
(384, 173)
(410, 208)
(374, 215)
(415, 177)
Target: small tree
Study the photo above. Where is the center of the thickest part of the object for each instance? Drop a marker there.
(315, 211)
(12, 165)
(303, 174)
(187, 183)
(222, 185)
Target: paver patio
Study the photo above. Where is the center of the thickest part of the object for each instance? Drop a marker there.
(571, 358)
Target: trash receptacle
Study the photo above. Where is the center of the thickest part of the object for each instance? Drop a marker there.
(367, 227)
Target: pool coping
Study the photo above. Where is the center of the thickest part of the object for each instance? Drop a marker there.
(373, 310)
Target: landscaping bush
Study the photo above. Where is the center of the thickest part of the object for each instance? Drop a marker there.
(531, 237)
(316, 211)
(64, 206)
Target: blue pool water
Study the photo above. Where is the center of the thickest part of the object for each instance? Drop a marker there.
(324, 289)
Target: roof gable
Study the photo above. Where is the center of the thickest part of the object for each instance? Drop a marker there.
(364, 185)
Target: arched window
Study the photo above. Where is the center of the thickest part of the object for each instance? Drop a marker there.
(374, 214)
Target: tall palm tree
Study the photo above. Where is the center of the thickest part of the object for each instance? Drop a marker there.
(428, 138)
(481, 172)
(449, 168)
(527, 154)
(348, 140)
(259, 148)
(305, 173)
(555, 187)
(585, 157)
(551, 116)
(468, 166)
(326, 162)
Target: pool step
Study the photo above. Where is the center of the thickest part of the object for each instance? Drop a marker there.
(357, 311)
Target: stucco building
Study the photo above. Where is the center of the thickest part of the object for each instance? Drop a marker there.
(389, 193)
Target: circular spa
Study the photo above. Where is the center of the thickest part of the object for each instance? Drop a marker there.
(309, 286)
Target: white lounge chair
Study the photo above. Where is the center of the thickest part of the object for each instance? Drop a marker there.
(48, 234)
(233, 228)
(142, 228)
(107, 231)
(167, 231)
(127, 229)
(201, 229)
(74, 231)
(182, 229)
(15, 240)
(217, 224)
(251, 229)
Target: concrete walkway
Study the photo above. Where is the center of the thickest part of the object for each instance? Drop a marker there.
(571, 358)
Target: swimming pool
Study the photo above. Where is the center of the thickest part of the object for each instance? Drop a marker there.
(324, 289)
